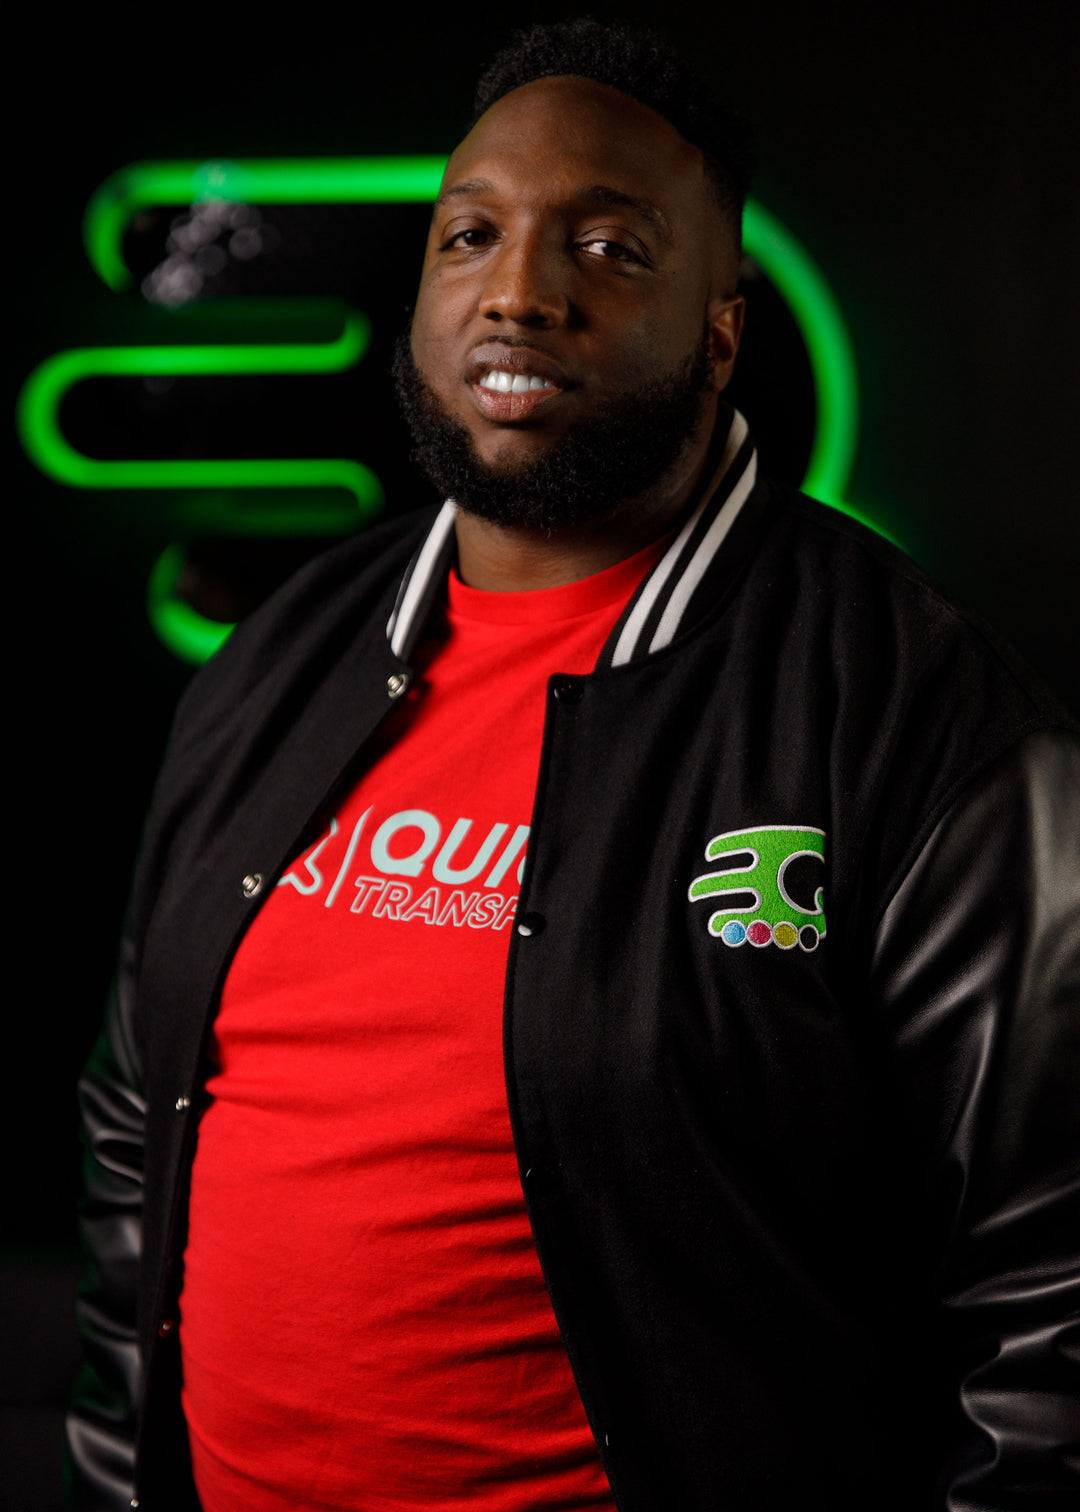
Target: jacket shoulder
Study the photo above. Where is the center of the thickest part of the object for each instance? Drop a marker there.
(878, 589)
(305, 661)
(307, 622)
(908, 697)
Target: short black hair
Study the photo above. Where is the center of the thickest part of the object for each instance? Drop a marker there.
(638, 63)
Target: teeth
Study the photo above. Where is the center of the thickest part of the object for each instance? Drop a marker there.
(505, 383)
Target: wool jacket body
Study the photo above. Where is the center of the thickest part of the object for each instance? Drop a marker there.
(800, 1206)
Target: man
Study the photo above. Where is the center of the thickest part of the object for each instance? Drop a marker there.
(592, 1027)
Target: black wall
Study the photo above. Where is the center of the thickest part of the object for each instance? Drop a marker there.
(926, 157)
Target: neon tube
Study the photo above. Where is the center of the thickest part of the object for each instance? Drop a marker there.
(39, 423)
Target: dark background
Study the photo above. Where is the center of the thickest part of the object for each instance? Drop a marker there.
(925, 157)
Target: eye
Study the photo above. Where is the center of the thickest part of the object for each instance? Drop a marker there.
(613, 251)
(471, 236)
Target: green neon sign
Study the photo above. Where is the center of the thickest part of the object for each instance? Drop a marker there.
(370, 180)
(828, 345)
(254, 181)
(39, 423)
(187, 633)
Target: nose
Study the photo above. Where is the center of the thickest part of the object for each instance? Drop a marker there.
(523, 285)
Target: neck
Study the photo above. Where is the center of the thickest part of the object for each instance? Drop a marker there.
(516, 559)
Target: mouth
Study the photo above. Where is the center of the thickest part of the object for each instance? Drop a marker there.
(510, 384)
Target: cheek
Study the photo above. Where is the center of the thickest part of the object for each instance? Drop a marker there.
(658, 335)
(433, 347)
(650, 352)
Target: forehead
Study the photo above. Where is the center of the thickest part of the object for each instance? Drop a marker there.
(555, 137)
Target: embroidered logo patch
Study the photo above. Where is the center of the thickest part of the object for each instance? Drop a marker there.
(756, 878)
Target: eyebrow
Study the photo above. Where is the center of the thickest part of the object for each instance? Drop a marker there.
(604, 194)
(460, 191)
(597, 194)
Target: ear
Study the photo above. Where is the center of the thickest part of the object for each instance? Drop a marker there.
(725, 331)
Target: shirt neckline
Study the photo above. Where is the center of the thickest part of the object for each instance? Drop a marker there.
(536, 606)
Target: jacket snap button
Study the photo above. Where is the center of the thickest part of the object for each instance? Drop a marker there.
(396, 684)
(567, 691)
(165, 1327)
(251, 886)
(541, 1180)
(531, 924)
(182, 1104)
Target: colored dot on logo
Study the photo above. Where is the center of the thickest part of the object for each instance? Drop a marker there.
(733, 933)
(759, 933)
(785, 935)
(808, 937)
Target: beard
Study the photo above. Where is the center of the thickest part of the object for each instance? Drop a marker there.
(616, 455)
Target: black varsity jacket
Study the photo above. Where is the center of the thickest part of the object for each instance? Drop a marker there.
(790, 1017)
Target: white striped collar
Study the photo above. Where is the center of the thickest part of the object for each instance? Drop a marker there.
(422, 578)
(654, 614)
(658, 608)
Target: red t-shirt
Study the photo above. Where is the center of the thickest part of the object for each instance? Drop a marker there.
(364, 1323)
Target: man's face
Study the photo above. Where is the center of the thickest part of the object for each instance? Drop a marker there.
(576, 317)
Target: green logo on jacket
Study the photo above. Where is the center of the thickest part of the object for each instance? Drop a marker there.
(756, 874)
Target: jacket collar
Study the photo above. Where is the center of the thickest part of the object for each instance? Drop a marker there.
(666, 600)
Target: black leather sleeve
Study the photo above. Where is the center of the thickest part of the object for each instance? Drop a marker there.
(977, 966)
(101, 1424)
